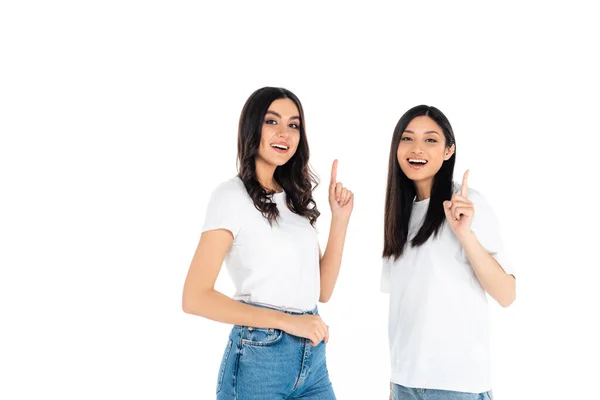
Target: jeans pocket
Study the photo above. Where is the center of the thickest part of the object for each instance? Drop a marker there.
(224, 365)
(261, 336)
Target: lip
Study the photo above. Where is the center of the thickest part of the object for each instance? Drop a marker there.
(278, 150)
(416, 166)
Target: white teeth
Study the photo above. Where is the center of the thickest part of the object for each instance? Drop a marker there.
(279, 146)
(413, 160)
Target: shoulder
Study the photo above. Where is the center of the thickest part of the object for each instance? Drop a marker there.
(230, 190)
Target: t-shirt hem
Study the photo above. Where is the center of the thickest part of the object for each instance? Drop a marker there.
(287, 307)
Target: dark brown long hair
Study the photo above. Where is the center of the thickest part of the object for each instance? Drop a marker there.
(295, 177)
(401, 191)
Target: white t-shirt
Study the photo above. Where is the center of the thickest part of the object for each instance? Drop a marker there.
(438, 316)
(275, 265)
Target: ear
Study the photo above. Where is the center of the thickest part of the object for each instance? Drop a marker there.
(449, 152)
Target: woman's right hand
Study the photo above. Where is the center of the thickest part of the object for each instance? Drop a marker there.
(310, 327)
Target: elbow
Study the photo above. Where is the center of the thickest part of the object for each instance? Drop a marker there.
(324, 298)
(186, 305)
(508, 300)
(510, 293)
(505, 303)
(326, 291)
(191, 303)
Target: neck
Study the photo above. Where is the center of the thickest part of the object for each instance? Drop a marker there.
(265, 174)
(423, 189)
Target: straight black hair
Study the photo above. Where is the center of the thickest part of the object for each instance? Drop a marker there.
(401, 191)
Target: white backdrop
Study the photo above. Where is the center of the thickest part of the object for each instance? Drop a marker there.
(118, 118)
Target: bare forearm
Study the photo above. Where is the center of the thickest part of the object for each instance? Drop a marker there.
(218, 307)
(500, 285)
(332, 258)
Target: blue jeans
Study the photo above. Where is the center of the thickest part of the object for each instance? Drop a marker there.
(400, 392)
(269, 364)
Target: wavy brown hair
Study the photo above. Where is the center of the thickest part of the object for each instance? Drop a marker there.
(295, 176)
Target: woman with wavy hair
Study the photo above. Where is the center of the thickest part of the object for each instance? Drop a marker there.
(262, 224)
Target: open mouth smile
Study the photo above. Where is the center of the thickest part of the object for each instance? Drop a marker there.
(416, 163)
(280, 148)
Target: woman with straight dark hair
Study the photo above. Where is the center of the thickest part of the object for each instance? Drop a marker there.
(442, 253)
(261, 223)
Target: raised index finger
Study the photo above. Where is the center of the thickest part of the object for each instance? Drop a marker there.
(464, 190)
(334, 171)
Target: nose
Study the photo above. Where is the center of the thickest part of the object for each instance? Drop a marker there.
(417, 151)
(283, 131)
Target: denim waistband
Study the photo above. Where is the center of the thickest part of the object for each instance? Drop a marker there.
(286, 310)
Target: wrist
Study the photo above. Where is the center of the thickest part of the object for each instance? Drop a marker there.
(340, 219)
(282, 321)
(466, 237)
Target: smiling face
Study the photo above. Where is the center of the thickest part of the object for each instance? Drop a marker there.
(280, 133)
(422, 150)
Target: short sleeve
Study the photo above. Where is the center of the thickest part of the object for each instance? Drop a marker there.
(487, 230)
(223, 210)
(386, 271)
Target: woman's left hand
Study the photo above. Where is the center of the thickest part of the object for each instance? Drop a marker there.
(460, 210)
(341, 200)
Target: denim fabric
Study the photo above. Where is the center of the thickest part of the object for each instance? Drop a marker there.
(269, 364)
(400, 392)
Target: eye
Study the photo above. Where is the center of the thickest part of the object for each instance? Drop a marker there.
(406, 138)
(430, 140)
(294, 126)
(270, 122)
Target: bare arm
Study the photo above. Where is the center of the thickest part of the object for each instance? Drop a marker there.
(341, 201)
(331, 261)
(200, 297)
(500, 285)
(459, 214)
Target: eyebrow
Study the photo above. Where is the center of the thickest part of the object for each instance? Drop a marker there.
(279, 116)
(407, 131)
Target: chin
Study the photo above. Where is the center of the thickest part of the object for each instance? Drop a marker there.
(416, 175)
(278, 163)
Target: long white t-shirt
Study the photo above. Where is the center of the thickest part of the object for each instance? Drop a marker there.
(276, 265)
(438, 315)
